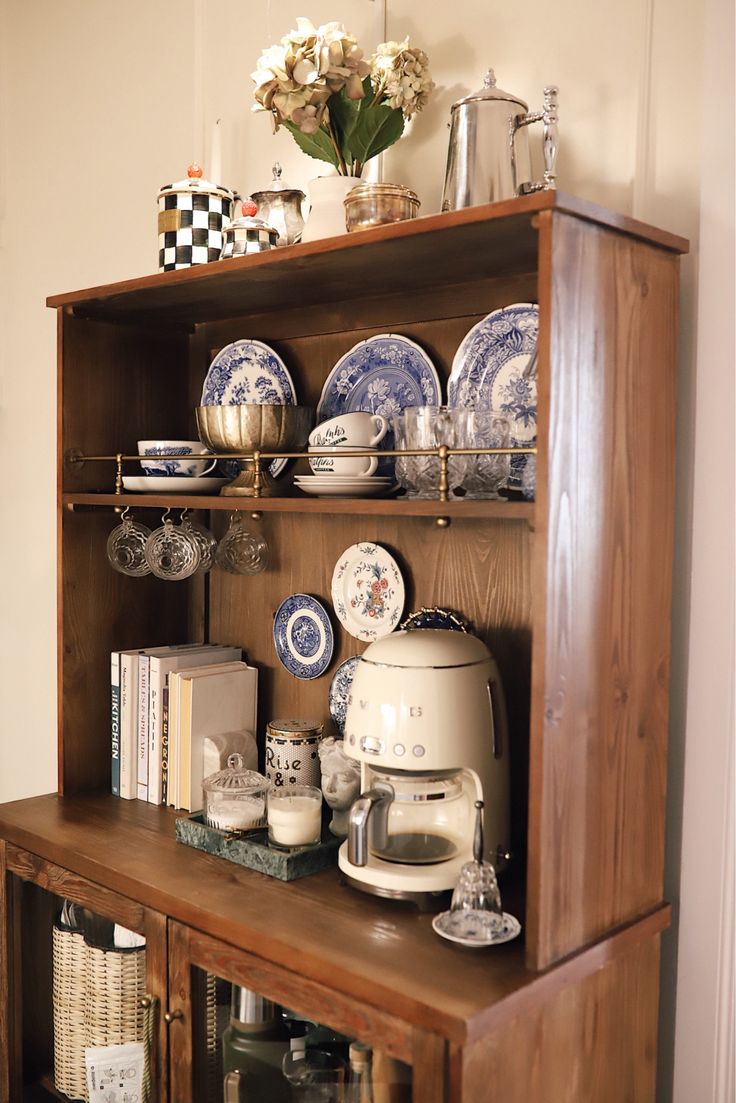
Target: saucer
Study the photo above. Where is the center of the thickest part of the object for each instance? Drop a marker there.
(303, 637)
(337, 486)
(173, 484)
(476, 928)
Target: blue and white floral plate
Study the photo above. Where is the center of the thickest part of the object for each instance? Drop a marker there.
(382, 375)
(248, 373)
(435, 617)
(476, 928)
(488, 373)
(367, 591)
(339, 690)
(303, 636)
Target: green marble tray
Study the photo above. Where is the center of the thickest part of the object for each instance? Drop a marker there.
(252, 850)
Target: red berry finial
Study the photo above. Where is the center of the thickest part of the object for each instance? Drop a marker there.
(249, 208)
(194, 171)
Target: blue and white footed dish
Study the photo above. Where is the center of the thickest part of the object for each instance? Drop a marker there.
(489, 371)
(381, 375)
(339, 690)
(303, 636)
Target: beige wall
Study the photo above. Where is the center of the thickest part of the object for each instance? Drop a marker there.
(101, 104)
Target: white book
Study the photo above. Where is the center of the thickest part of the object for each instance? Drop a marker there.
(160, 667)
(115, 722)
(211, 702)
(128, 724)
(144, 661)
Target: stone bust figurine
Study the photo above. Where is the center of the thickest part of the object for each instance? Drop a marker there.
(340, 782)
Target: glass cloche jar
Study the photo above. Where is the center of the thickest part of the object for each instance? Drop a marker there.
(235, 798)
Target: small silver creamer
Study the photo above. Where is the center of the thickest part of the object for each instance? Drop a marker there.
(488, 157)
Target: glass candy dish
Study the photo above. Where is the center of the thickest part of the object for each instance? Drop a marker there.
(235, 798)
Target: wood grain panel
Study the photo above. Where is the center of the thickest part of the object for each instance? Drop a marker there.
(429, 1072)
(101, 610)
(11, 1048)
(180, 1033)
(603, 559)
(482, 571)
(318, 1002)
(593, 1042)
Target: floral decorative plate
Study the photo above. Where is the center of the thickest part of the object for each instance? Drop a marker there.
(488, 372)
(339, 690)
(476, 928)
(303, 636)
(383, 375)
(436, 618)
(247, 373)
(367, 591)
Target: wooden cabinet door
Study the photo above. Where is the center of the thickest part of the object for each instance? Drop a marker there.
(31, 892)
(193, 955)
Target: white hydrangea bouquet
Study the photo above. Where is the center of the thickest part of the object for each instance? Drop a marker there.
(339, 107)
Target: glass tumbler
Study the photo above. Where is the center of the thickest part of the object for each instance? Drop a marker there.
(405, 466)
(429, 427)
(486, 474)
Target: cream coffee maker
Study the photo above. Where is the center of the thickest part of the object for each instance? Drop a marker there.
(426, 720)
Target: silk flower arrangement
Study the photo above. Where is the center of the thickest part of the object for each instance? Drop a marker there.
(339, 107)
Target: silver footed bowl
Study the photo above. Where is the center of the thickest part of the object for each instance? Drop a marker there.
(251, 428)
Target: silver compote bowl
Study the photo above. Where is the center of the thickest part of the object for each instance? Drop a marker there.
(251, 428)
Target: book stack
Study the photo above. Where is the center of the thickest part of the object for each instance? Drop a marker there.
(177, 713)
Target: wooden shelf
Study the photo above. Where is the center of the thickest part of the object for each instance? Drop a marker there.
(474, 243)
(377, 951)
(375, 507)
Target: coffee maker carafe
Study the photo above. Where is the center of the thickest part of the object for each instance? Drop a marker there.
(426, 720)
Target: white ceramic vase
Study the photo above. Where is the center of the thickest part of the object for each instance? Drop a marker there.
(326, 216)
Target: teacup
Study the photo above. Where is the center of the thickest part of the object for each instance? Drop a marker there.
(342, 462)
(161, 464)
(356, 430)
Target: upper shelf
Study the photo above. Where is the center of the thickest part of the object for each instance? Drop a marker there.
(452, 248)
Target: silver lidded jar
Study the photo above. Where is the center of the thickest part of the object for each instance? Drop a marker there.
(488, 157)
(192, 215)
(248, 234)
(368, 205)
(281, 207)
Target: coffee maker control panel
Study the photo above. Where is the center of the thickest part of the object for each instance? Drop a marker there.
(369, 744)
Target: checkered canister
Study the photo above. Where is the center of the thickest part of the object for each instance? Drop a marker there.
(192, 215)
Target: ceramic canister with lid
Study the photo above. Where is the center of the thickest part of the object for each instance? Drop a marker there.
(292, 752)
(248, 234)
(192, 214)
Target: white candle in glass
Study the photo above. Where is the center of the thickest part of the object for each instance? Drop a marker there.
(295, 816)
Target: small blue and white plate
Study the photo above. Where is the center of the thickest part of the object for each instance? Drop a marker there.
(382, 375)
(339, 690)
(303, 636)
(246, 373)
(488, 372)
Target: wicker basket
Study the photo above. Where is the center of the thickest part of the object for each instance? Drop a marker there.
(97, 997)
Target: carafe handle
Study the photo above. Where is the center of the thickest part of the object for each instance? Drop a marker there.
(548, 117)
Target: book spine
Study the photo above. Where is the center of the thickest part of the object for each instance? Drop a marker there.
(115, 721)
(128, 726)
(143, 668)
(164, 743)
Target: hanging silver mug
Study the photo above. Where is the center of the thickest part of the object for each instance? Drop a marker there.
(488, 158)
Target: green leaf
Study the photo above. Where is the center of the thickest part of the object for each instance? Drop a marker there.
(343, 116)
(377, 128)
(315, 145)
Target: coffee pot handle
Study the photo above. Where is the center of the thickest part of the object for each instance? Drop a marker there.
(548, 117)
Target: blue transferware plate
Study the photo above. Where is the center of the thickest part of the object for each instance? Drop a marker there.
(339, 691)
(435, 617)
(303, 636)
(248, 373)
(488, 372)
(382, 375)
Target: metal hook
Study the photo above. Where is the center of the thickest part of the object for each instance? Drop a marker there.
(124, 513)
(183, 515)
(165, 516)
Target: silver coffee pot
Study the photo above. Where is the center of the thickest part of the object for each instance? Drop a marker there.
(488, 158)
